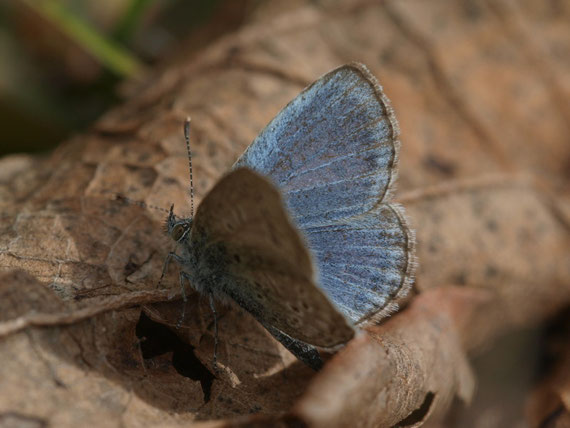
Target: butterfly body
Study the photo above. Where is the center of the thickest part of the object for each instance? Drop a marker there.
(301, 233)
(257, 259)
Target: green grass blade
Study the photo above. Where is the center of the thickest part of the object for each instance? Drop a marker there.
(114, 57)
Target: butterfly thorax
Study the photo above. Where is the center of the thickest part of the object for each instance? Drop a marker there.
(202, 267)
(179, 230)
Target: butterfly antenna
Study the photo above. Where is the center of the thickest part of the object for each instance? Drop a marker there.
(187, 137)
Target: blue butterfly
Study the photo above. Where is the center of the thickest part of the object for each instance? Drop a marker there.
(301, 233)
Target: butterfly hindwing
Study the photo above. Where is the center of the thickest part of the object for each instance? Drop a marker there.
(365, 261)
(333, 152)
(251, 252)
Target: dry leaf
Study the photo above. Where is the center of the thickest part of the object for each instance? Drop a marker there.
(480, 89)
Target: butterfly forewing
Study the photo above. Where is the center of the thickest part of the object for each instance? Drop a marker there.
(252, 253)
(333, 152)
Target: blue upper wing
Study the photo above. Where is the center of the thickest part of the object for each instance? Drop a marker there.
(333, 152)
(365, 262)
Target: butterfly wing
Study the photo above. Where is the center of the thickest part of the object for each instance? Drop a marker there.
(247, 248)
(366, 261)
(333, 152)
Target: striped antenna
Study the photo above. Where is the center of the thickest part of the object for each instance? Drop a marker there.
(187, 137)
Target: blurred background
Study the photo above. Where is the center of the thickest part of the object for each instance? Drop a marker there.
(63, 60)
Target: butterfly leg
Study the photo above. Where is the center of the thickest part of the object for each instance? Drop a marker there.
(183, 276)
(213, 307)
(170, 256)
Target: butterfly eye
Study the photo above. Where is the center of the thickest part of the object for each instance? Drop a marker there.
(178, 231)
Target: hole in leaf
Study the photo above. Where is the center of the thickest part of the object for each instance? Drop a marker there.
(419, 414)
(157, 339)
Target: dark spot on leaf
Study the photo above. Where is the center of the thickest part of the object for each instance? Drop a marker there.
(255, 409)
(432, 247)
(492, 225)
(387, 55)
(472, 11)
(233, 51)
(130, 268)
(440, 165)
(461, 278)
(491, 271)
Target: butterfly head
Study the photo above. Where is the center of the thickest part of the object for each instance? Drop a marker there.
(177, 228)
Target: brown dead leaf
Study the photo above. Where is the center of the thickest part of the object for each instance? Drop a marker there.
(370, 380)
(479, 89)
(499, 234)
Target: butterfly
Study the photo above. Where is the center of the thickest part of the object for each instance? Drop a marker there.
(301, 232)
